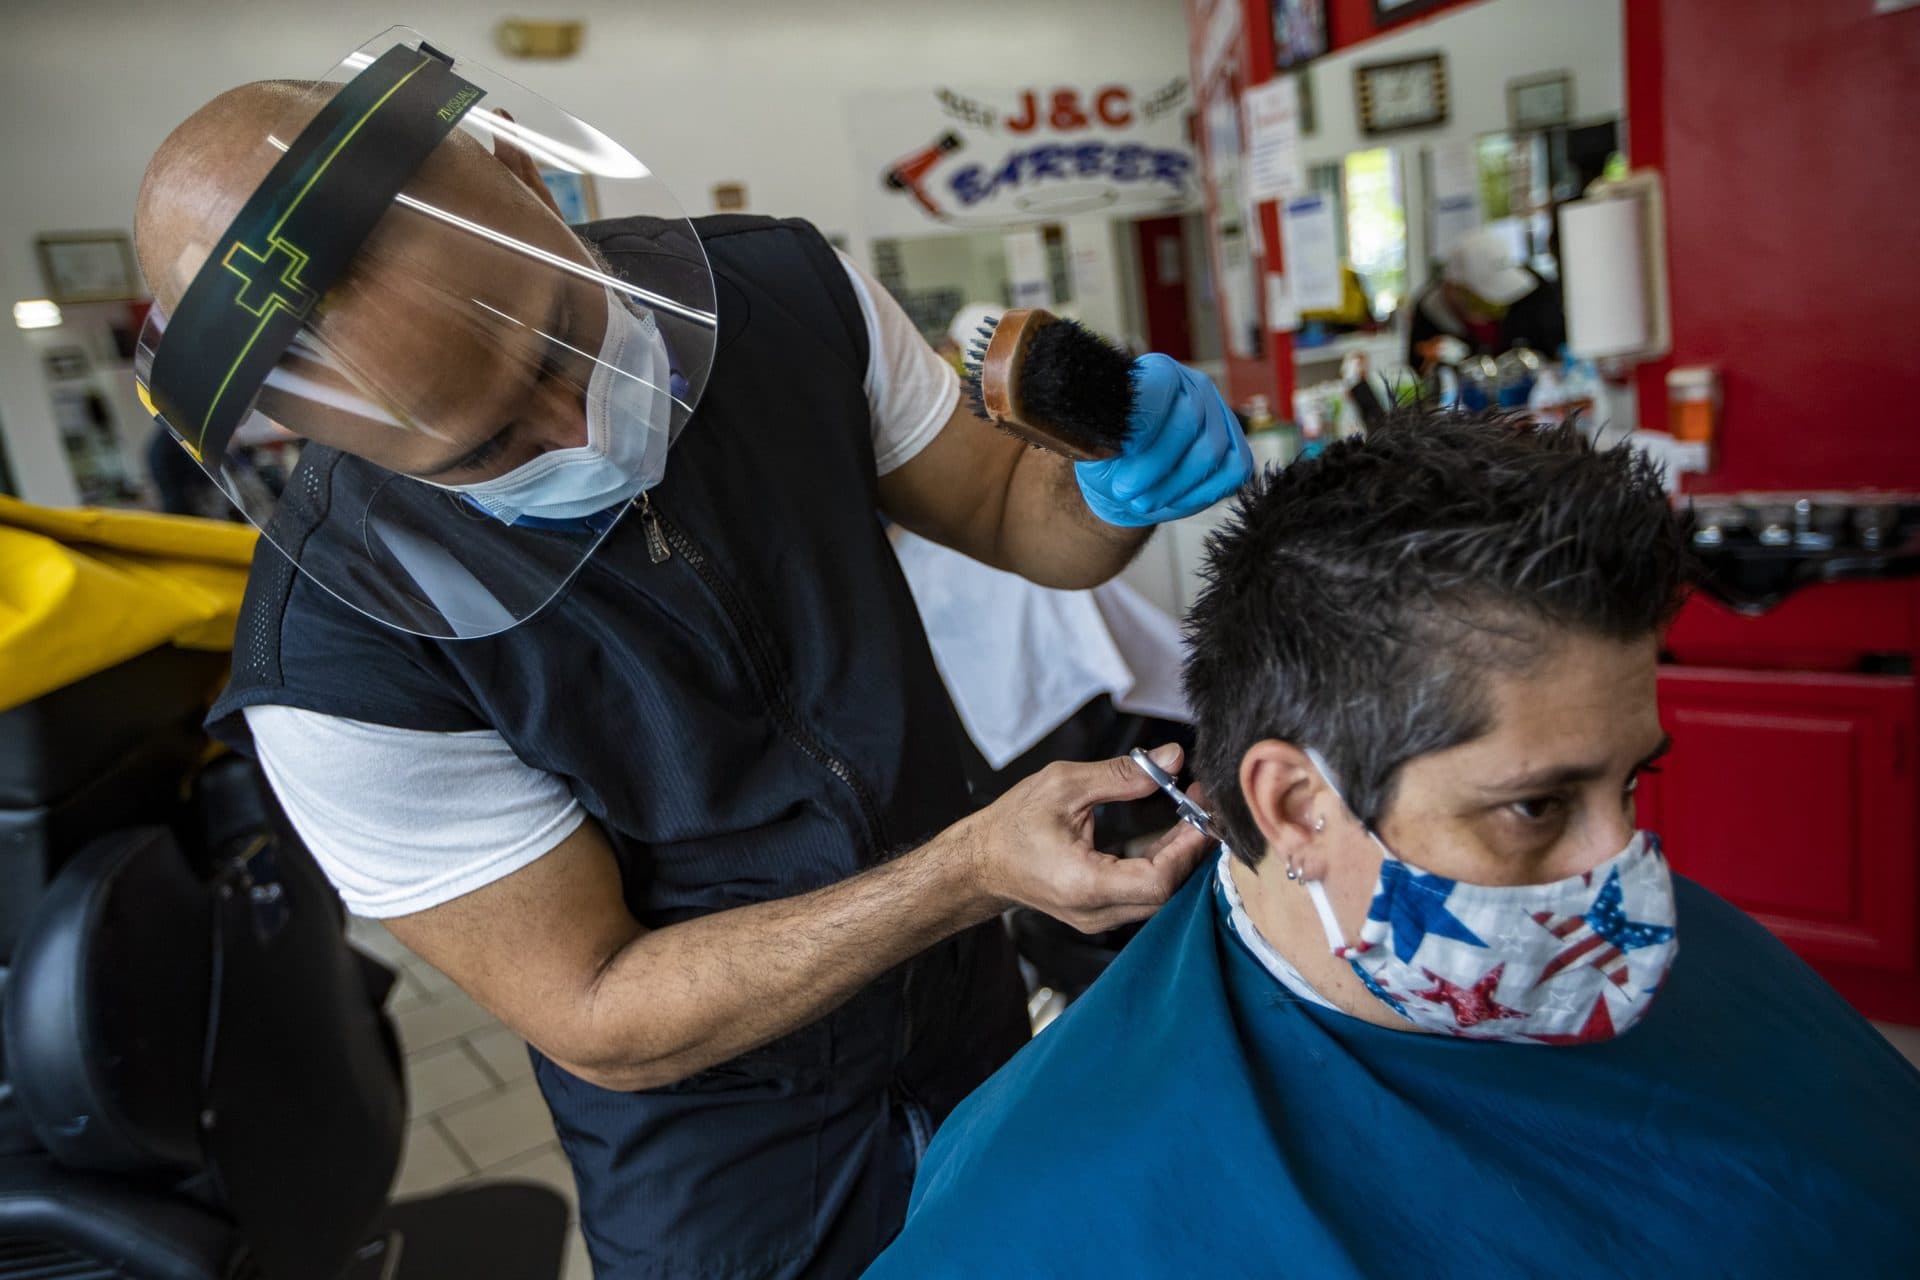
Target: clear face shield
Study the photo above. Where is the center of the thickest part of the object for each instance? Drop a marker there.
(472, 393)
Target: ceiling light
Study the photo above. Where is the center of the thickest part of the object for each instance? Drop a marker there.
(36, 313)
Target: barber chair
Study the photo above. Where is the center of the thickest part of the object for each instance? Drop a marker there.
(94, 756)
(197, 1081)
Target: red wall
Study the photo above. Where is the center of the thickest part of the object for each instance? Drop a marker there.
(1786, 132)
(1168, 303)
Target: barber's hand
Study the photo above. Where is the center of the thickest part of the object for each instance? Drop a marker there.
(1034, 846)
(1186, 450)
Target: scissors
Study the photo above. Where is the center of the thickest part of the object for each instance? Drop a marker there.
(1190, 811)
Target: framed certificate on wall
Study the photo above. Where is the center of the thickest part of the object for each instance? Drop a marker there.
(1408, 94)
(1540, 102)
(88, 266)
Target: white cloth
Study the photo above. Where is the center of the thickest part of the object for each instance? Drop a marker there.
(1019, 659)
(1256, 942)
(402, 819)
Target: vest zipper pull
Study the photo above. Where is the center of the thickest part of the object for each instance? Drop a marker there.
(657, 549)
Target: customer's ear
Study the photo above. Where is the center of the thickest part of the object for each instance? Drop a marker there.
(1282, 792)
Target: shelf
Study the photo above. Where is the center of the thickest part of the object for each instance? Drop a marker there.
(1372, 344)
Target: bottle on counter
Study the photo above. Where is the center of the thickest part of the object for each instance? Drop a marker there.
(1259, 415)
(1547, 403)
(1314, 432)
(1273, 442)
(1581, 389)
(1443, 380)
(1514, 375)
(1479, 383)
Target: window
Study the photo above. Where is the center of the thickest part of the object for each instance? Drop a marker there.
(1371, 219)
(1376, 226)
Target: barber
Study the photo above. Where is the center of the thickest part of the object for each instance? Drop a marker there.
(575, 651)
(1484, 298)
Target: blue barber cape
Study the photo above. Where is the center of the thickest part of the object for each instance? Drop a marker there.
(1191, 1117)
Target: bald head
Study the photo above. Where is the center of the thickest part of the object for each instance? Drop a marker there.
(202, 174)
(438, 326)
(205, 170)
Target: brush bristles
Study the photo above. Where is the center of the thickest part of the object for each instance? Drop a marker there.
(976, 357)
(1078, 386)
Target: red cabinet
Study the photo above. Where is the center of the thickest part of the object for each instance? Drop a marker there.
(1792, 794)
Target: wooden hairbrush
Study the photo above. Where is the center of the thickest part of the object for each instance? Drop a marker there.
(1054, 383)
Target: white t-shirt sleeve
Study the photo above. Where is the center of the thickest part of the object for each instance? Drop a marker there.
(404, 819)
(911, 391)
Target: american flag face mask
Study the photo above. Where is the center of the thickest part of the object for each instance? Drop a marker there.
(1571, 962)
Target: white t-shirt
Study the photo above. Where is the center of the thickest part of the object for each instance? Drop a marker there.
(405, 819)
(1018, 659)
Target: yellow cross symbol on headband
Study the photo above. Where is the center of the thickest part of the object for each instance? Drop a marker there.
(277, 272)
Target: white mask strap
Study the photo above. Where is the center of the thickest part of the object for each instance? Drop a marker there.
(1336, 940)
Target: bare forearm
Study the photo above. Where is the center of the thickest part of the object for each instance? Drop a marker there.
(674, 1001)
(552, 950)
(1048, 534)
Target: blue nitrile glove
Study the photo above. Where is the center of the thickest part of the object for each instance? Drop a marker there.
(1185, 451)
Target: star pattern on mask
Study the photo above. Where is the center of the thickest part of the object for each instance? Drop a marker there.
(1379, 992)
(1413, 904)
(1471, 1005)
(1601, 936)
(1598, 1027)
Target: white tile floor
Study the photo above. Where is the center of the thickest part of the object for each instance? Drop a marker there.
(476, 1113)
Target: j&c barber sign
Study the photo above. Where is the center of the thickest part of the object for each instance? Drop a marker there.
(950, 158)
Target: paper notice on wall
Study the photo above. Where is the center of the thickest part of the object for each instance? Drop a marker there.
(1169, 262)
(1272, 113)
(1455, 198)
(1311, 251)
(1453, 217)
(1089, 273)
(1455, 171)
(1027, 268)
(1282, 317)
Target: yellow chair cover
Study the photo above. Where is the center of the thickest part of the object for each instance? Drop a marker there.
(83, 590)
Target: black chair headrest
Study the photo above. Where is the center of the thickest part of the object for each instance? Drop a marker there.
(155, 1022)
(106, 1010)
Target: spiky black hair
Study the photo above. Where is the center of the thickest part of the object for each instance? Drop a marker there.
(1355, 602)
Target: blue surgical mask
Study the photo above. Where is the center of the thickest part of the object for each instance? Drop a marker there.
(629, 412)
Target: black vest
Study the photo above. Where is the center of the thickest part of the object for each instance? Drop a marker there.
(755, 716)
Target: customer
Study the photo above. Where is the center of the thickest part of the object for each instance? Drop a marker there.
(1442, 1011)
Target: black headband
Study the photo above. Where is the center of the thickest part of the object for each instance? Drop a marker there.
(294, 236)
